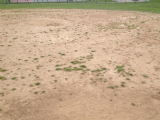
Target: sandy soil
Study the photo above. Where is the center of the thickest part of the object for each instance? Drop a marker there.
(79, 65)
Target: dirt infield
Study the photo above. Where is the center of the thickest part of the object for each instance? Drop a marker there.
(79, 65)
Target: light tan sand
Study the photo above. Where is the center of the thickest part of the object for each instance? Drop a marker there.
(34, 43)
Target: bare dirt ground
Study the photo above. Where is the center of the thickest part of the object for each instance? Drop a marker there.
(79, 65)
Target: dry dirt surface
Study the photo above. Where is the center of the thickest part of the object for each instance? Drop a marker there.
(79, 65)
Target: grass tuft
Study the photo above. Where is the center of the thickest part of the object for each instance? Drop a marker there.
(2, 78)
(37, 83)
(120, 68)
(2, 70)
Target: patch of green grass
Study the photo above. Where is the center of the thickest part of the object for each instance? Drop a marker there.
(38, 67)
(145, 76)
(22, 77)
(68, 69)
(120, 68)
(36, 76)
(13, 89)
(123, 82)
(128, 73)
(31, 85)
(133, 104)
(36, 92)
(36, 58)
(59, 65)
(77, 69)
(105, 80)
(76, 62)
(143, 82)
(59, 69)
(130, 26)
(99, 79)
(55, 81)
(1, 110)
(89, 56)
(15, 38)
(62, 54)
(83, 66)
(37, 83)
(142, 21)
(103, 68)
(123, 85)
(14, 78)
(151, 6)
(99, 70)
(43, 91)
(2, 78)
(2, 94)
(113, 87)
(127, 78)
(2, 70)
